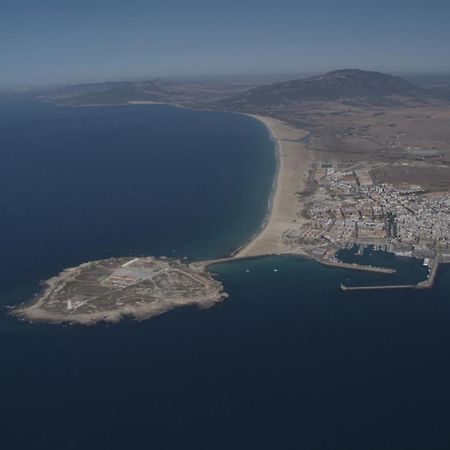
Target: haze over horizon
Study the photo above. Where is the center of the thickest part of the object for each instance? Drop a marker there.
(58, 42)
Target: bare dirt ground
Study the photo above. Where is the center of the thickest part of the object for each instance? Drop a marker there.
(414, 140)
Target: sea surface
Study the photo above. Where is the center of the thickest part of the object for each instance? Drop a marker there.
(287, 362)
(407, 270)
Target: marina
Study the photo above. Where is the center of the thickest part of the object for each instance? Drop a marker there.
(433, 266)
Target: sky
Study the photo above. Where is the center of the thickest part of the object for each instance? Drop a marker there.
(62, 41)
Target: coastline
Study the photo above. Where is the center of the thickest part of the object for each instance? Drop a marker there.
(237, 252)
(68, 298)
(293, 161)
(284, 206)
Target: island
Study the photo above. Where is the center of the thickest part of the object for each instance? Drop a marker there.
(111, 289)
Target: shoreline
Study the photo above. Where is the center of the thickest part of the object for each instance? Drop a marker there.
(288, 142)
(267, 240)
(287, 182)
(280, 214)
(236, 253)
(293, 161)
(77, 294)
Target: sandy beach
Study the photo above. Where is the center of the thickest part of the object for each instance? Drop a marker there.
(293, 163)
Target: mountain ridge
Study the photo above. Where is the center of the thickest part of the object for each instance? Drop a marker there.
(351, 86)
(346, 84)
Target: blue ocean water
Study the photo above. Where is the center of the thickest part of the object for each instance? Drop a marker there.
(288, 361)
(407, 270)
(89, 183)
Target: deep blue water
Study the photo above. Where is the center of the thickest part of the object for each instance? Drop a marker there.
(288, 361)
(88, 183)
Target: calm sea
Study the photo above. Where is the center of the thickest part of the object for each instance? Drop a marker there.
(288, 361)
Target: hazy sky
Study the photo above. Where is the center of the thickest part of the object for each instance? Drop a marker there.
(46, 41)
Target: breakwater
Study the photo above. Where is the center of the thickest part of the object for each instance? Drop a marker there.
(376, 287)
(425, 284)
(354, 266)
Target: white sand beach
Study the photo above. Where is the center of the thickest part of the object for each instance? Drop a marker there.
(293, 163)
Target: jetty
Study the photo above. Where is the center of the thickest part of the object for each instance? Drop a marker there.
(429, 282)
(324, 261)
(433, 264)
(354, 266)
(377, 287)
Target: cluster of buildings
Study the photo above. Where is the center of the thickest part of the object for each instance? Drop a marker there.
(348, 207)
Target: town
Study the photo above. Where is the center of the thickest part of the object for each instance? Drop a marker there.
(347, 207)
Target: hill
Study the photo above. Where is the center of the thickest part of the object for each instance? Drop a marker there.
(349, 85)
(124, 92)
(184, 92)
